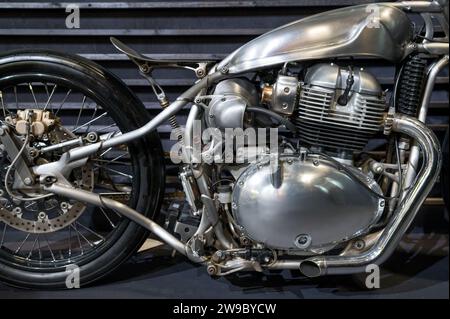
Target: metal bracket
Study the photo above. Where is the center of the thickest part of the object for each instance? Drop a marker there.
(147, 65)
(22, 168)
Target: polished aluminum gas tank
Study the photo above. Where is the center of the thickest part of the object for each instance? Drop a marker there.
(313, 207)
(375, 30)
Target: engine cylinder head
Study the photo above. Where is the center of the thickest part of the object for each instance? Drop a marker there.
(323, 122)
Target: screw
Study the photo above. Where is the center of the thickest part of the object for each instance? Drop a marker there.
(224, 70)
(316, 163)
(27, 181)
(359, 244)
(286, 90)
(200, 72)
(382, 203)
(303, 241)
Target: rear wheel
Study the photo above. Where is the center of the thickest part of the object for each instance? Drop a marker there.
(43, 240)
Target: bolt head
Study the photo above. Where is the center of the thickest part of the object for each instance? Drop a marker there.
(27, 181)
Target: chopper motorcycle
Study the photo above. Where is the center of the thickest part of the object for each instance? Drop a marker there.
(317, 201)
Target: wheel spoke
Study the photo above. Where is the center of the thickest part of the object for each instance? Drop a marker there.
(34, 96)
(106, 127)
(93, 116)
(82, 236)
(107, 218)
(50, 248)
(81, 110)
(50, 97)
(88, 124)
(32, 248)
(113, 170)
(21, 245)
(90, 230)
(63, 101)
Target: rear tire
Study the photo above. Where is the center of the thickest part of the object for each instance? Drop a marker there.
(148, 167)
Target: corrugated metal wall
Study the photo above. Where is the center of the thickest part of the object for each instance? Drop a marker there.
(172, 29)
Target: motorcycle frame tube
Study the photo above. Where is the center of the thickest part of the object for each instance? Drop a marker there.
(172, 109)
(401, 219)
(414, 155)
(124, 210)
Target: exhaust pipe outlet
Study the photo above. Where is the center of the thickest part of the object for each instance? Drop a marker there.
(310, 268)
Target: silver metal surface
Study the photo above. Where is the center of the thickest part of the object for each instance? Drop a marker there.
(285, 94)
(186, 182)
(403, 215)
(227, 107)
(351, 31)
(414, 154)
(213, 216)
(322, 121)
(76, 157)
(313, 195)
(97, 200)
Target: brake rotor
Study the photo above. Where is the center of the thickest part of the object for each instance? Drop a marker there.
(49, 214)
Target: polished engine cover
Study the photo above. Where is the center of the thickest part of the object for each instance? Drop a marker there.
(315, 207)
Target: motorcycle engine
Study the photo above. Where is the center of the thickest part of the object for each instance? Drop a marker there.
(339, 109)
(310, 204)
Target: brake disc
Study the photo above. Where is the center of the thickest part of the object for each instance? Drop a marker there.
(49, 214)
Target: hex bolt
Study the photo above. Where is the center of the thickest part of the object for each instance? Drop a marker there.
(27, 181)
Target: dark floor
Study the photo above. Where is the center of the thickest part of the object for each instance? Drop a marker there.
(418, 269)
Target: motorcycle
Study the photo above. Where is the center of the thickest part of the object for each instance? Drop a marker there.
(77, 146)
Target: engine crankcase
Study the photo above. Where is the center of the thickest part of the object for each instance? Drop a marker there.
(307, 205)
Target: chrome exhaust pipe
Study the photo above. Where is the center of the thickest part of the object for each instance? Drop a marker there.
(403, 215)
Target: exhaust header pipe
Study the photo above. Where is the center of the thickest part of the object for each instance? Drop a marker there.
(403, 215)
